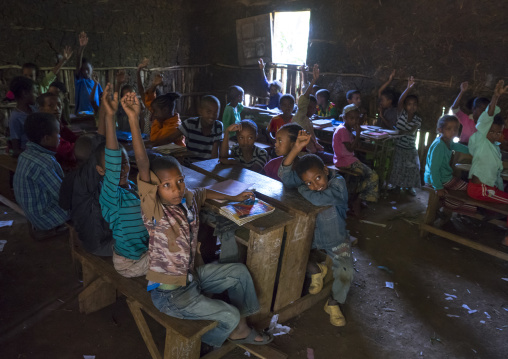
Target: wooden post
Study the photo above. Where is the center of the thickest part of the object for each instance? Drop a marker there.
(97, 295)
(430, 214)
(143, 328)
(178, 347)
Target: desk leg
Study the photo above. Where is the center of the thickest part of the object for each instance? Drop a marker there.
(294, 262)
(262, 260)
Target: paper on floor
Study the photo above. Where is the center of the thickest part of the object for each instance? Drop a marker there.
(373, 223)
(6, 223)
(389, 285)
(88, 356)
(277, 329)
(310, 353)
(2, 244)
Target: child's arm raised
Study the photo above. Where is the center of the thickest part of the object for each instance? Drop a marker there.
(463, 88)
(302, 140)
(110, 108)
(141, 89)
(382, 118)
(402, 98)
(157, 81)
(385, 85)
(66, 55)
(487, 117)
(315, 77)
(263, 74)
(121, 78)
(224, 147)
(83, 41)
(132, 108)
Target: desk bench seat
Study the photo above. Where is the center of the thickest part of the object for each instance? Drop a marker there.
(433, 206)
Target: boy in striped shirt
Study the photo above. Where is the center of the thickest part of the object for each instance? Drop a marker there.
(119, 199)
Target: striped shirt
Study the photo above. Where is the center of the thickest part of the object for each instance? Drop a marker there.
(121, 209)
(259, 156)
(407, 141)
(37, 184)
(196, 141)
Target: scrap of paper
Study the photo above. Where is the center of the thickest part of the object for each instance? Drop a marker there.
(2, 244)
(6, 223)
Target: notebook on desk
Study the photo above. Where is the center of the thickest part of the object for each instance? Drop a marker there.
(242, 213)
(169, 149)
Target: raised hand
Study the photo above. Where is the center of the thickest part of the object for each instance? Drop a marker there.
(500, 88)
(464, 86)
(302, 140)
(315, 72)
(235, 127)
(66, 53)
(131, 105)
(144, 63)
(121, 77)
(158, 79)
(410, 82)
(110, 102)
(392, 75)
(261, 64)
(83, 39)
(95, 77)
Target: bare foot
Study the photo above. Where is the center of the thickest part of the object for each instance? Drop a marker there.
(242, 334)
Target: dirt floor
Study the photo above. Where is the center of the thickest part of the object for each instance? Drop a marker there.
(39, 316)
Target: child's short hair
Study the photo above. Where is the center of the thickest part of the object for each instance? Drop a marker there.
(349, 108)
(287, 97)
(293, 129)
(21, 84)
(83, 148)
(210, 100)
(31, 65)
(350, 93)
(233, 92)
(38, 125)
(441, 123)
(498, 120)
(41, 100)
(249, 124)
(390, 95)
(480, 101)
(277, 84)
(59, 85)
(312, 98)
(308, 162)
(84, 61)
(411, 97)
(324, 93)
(166, 101)
(164, 163)
(127, 88)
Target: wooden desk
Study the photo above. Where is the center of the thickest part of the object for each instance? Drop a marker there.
(299, 234)
(263, 244)
(466, 167)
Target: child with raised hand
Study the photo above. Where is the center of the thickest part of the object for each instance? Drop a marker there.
(24, 92)
(285, 139)
(234, 107)
(171, 216)
(485, 182)
(325, 108)
(245, 152)
(83, 82)
(119, 200)
(274, 87)
(148, 95)
(165, 121)
(344, 145)
(387, 110)
(287, 103)
(468, 122)
(438, 172)
(405, 171)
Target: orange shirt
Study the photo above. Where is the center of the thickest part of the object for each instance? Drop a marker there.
(149, 97)
(277, 122)
(165, 129)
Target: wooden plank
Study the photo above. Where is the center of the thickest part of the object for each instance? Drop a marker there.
(220, 352)
(263, 351)
(262, 261)
(12, 205)
(178, 347)
(97, 295)
(294, 261)
(143, 328)
(466, 242)
(432, 207)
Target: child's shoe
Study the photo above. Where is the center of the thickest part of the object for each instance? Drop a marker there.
(336, 317)
(317, 279)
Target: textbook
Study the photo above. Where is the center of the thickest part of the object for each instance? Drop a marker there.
(242, 213)
(169, 149)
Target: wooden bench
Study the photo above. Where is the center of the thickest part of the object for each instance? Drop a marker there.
(8, 166)
(433, 206)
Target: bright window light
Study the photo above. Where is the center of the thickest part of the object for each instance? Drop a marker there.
(290, 37)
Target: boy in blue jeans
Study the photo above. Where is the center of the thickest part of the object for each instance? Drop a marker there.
(323, 187)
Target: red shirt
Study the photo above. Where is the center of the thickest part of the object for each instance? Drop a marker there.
(276, 123)
(65, 150)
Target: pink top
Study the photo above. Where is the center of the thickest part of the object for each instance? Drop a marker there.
(341, 156)
(272, 168)
(468, 125)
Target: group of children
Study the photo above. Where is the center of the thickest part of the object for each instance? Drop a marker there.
(150, 227)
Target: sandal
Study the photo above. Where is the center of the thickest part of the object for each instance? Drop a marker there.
(251, 338)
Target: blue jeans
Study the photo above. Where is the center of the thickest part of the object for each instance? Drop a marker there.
(342, 266)
(189, 303)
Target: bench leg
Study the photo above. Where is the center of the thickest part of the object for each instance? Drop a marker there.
(177, 347)
(97, 294)
(143, 328)
(430, 215)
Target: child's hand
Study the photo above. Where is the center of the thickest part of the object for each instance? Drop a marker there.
(304, 67)
(315, 72)
(121, 77)
(302, 140)
(110, 103)
(131, 105)
(95, 77)
(261, 64)
(441, 192)
(66, 53)
(243, 196)
(158, 79)
(410, 82)
(392, 75)
(144, 63)
(235, 127)
(83, 39)
(464, 86)
(500, 88)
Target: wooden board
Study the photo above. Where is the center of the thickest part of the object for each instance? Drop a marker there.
(254, 39)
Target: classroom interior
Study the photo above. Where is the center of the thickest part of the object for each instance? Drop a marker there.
(418, 290)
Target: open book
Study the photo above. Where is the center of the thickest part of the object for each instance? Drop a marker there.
(242, 213)
(169, 149)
